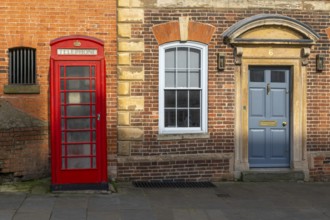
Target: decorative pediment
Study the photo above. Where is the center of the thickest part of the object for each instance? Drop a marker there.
(270, 29)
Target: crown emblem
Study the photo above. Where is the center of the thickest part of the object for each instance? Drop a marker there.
(77, 44)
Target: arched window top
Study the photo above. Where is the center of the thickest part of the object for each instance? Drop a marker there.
(283, 29)
(183, 44)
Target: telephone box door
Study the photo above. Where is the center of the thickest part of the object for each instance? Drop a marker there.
(78, 125)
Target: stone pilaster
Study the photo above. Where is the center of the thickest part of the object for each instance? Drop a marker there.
(130, 13)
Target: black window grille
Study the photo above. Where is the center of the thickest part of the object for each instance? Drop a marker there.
(22, 65)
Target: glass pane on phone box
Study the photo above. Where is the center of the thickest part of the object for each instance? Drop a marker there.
(94, 162)
(62, 124)
(93, 97)
(93, 84)
(94, 149)
(78, 136)
(62, 84)
(94, 136)
(73, 98)
(78, 123)
(77, 85)
(78, 97)
(78, 110)
(78, 150)
(93, 71)
(63, 150)
(62, 98)
(77, 71)
(62, 111)
(62, 71)
(93, 110)
(79, 163)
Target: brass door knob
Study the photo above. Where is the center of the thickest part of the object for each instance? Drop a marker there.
(284, 123)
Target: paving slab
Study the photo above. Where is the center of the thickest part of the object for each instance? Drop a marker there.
(227, 201)
(190, 214)
(11, 201)
(134, 214)
(71, 202)
(35, 204)
(7, 214)
(69, 214)
(32, 216)
(112, 215)
(104, 203)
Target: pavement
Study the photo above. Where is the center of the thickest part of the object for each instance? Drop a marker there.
(235, 200)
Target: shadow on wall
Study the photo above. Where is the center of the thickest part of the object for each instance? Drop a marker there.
(24, 150)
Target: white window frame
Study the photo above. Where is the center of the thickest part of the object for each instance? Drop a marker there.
(204, 82)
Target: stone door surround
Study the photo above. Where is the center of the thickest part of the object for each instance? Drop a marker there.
(271, 40)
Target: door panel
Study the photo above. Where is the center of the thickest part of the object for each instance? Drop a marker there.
(269, 117)
(79, 145)
(257, 100)
(258, 140)
(278, 145)
(278, 102)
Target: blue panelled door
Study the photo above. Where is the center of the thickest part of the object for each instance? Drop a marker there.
(269, 137)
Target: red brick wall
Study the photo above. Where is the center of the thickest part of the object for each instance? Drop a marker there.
(321, 169)
(24, 153)
(221, 95)
(34, 24)
(180, 170)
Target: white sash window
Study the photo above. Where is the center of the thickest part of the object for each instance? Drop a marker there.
(183, 88)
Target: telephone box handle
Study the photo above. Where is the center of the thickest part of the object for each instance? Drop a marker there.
(98, 117)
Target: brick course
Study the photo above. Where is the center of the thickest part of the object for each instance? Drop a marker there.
(179, 170)
(321, 169)
(24, 153)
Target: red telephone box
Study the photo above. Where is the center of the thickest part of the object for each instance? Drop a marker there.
(78, 114)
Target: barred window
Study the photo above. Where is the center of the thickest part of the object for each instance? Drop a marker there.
(22, 66)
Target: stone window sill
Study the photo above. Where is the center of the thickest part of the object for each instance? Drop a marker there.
(21, 89)
(169, 137)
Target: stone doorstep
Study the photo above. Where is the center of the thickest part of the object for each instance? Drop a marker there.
(263, 175)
